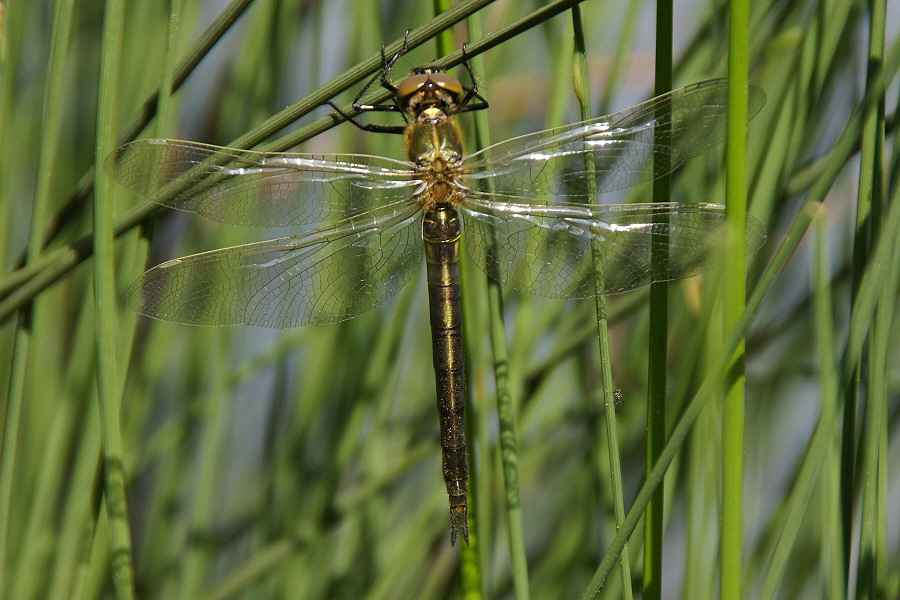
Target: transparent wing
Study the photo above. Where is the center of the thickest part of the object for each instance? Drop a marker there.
(258, 189)
(576, 251)
(552, 165)
(322, 276)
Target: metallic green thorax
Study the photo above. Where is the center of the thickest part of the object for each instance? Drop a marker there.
(435, 145)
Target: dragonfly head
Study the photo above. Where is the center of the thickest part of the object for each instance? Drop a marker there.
(429, 87)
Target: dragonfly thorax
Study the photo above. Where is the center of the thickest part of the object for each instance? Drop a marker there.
(432, 114)
(440, 184)
(434, 146)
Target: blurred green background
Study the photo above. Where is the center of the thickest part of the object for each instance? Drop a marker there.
(305, 463)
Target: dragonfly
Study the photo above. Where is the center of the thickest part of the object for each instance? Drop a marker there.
(525, 208)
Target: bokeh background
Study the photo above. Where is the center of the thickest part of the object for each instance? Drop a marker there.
(305, 463)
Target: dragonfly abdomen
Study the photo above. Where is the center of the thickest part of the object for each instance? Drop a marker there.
(441, 233)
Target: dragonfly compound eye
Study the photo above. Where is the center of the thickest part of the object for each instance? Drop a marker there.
(420, 90)
(448, 83)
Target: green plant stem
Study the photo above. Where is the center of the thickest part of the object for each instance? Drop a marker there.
(443, 40)
(506, 410)
(658, 338)
(871, 207)
(106, 314)
(733, 296)
(25, 324)
(866, 213)
(472, 562)
(12, 32)
(582, 92)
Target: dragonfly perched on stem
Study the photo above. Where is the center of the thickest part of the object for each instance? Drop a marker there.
(529, 203)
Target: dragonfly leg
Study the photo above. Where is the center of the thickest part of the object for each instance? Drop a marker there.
(386, 65)
(373, 127)
(382, 75)
(466, 104)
